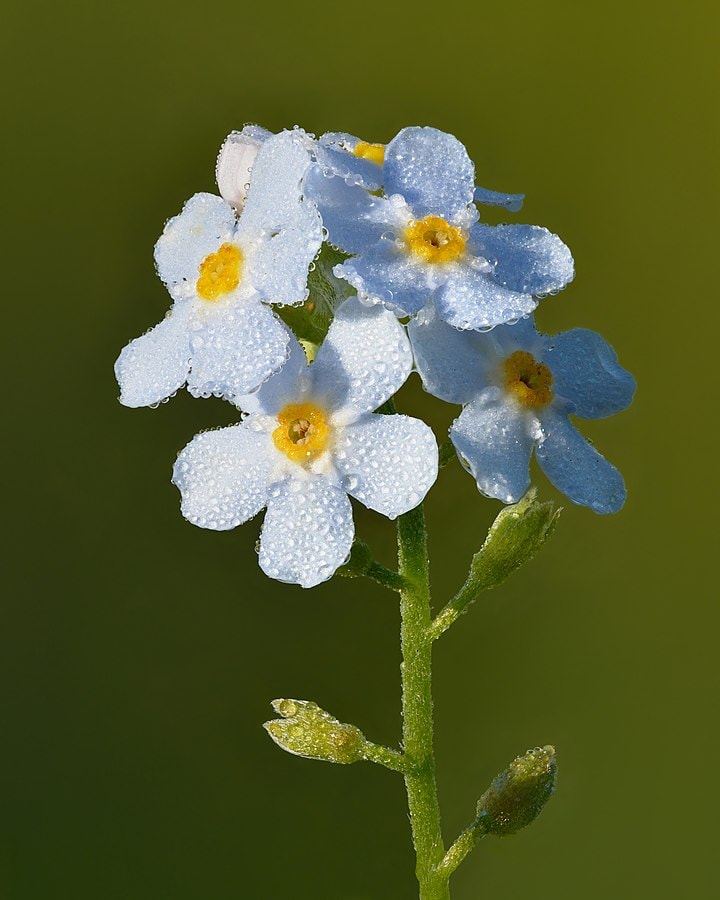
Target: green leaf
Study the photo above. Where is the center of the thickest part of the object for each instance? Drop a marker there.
(515, 536)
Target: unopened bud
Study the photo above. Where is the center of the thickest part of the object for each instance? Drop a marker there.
(306, 730)
(518, 794)
(235, 162)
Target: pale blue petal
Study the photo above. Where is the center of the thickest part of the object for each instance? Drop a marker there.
(347, 211)
(223, 476)
(576, 468)
(290, 385)
(431, 170)
(307, 533)
(154, 366)
(495, 439)
(521, 335)
(335, 153)
(363, 361)
(384, 275)
(235, 349)
(205, 222)
(587, 373)
(511, 202)
(453, 364)
(388, 463)
(526, 258)
(473, 299)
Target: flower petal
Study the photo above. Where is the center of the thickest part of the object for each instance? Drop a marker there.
(527, 258)
(235, 162)
(473, 299)
(235, 349)
(282, 223)
(496, 440)
(587, 373)
(389, 462)
(335, 152)
(223, 476)
(576, 468)
(382, 275)
(206, 221)
(452, 364)
(511, 202)
(290, 385)
(432, 171)
(308, 531)
(154, 366)
(363, 361)
(348, 212)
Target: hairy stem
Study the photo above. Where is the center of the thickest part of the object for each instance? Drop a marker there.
(417, 706)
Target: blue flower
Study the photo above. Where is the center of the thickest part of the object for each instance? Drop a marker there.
(222, 271)
(517, 388)
(423, 241)
(311, 438)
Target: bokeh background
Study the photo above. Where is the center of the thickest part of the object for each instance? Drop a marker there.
(139, 654)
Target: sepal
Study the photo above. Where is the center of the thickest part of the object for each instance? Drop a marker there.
(516, 796)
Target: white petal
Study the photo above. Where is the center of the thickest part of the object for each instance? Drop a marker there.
(154, 366)
(290, 385)
(389, 462)
(235, 162)
(235, 348)
(496, 438)
(308, 532)
(576, 468)
(205, 222)
(453, 364)
(281, 219)
(223, 476)
(363, 361)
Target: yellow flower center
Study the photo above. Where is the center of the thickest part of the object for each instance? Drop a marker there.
(528, 380)
(374, 152)
(303, 432)
(220, 272)
(435, 240)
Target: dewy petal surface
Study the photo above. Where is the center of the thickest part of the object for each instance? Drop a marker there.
(452, 364)
(388, 462)
(432, 171)
(289, 385)
(223, 476)
(284, 223)
(235, 161)
(474, 300)
(363, 361)
(587, 373)
(511, 202)
(335, 152)
(307, 533)
(496, 440)
(576, 468)
(235, 349)
(383, 275)
(205, 222)
(155, 365)
(527, 258)
(347, 211)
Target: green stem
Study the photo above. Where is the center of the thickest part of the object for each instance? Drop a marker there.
(460, 849)
(384, 756)
(386, 577)
(417, 705)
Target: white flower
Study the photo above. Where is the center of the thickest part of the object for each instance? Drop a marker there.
(311, 438)
(221, 270)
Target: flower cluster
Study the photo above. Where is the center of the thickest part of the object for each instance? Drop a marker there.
(416, 281)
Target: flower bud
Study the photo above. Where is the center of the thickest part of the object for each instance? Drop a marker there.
(235, 162)
(306, 730)
(517, 795)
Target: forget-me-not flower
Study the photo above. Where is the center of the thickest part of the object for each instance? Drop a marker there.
(221, 270)
(311, 438)
(423, 241)
(518, 388)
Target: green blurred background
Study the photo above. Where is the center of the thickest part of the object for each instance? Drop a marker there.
(139, 654)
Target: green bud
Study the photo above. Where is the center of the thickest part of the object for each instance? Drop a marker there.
(306, 730)
(518, 794)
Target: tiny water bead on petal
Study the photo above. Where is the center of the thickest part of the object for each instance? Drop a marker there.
(303, 432)
(435, 240)
(220, 272)
(529, 381)
(373, 152)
